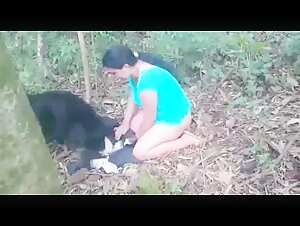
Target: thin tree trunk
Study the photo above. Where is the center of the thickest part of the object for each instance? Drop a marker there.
(85, 64)
(39, 51)
(95, 62)
(40, 56)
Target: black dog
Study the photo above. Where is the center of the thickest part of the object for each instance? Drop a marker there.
(67, 119)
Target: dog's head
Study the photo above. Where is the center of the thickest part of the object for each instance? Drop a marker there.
(112, 145)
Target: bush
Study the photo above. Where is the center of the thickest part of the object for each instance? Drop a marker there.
(247, 57)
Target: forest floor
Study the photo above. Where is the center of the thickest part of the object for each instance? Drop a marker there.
(251, 148)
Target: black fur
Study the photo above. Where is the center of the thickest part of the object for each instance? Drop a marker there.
(67, 119)
(123, 156)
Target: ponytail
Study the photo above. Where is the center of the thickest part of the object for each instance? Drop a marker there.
(157, 61)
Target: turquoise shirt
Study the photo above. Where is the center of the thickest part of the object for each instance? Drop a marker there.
(173, 104)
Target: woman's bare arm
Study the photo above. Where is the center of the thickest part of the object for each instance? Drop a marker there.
(130, 110)
(149, 100)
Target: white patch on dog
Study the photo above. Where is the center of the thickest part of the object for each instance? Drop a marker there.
(110, 147)
(103, 163)
(118, 146)
(127, 142)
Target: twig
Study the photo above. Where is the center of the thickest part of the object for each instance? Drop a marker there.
(203, 168)
(287, 147)
(287, 189)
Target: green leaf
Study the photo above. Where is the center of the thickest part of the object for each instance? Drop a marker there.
(148, 184)
(174, 187)
(240, 101)
(258, 46)
(268, 65)
(266, 58)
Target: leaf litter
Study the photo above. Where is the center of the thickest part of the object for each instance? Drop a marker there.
(250, 148)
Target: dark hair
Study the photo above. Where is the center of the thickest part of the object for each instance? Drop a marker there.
(118, 55)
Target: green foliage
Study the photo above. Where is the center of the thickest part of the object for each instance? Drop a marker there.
(262, 155)
(174, 187)
(291, 48)
(148, 184)
(248, 56)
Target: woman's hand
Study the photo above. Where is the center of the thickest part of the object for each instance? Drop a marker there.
(129, 113)
(121, 130)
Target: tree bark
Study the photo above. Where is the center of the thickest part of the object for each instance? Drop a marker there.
(85, 64)
(26, 166)
(95, 62)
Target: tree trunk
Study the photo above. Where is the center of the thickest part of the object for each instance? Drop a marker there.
(26, 166)
(95, 62)
(85, 64)
(39, 51)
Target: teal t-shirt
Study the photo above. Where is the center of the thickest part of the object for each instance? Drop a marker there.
(173, 104)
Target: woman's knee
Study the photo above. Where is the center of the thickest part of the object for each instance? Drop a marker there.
(139, 151)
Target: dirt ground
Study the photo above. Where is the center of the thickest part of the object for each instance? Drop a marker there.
(250, 148)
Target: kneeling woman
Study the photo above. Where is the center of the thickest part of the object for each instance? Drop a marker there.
(158, 110)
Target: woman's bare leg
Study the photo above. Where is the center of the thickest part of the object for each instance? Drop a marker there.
(161, 139)
(166, 148)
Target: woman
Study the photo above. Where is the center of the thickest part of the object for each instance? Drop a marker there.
(158, 110)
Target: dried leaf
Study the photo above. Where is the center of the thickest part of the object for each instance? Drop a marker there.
(94, 177)
(193, 88)
(291, 81)
(225, 177)
(130, 170)
(293, 121)
(230, 122)
(223, 94)
(276, 88)
(211, 189)
(107, 186)
(206, 118)
(246, 151)
(77, 177)
(110, 111)
(281, 146)
(109, 102)
(220, 133)
(238, 188)
(182, 168)
(123, 101)
(167, 162)
(122, 186)
(286, 100)
(289, 166)
(231, 149)
(248, 166)
(258, 109)
(184, 157)
(63, 154)
(132, 185)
